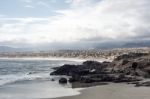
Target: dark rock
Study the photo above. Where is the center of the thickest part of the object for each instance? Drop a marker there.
(71, 80)
(55, 68)
(131, 56)
(52, 79)
(65, 70)
(86, 79)
(62, 80)
(146, 72)
(88, 67)
(125, 78)
(134, 82)
(126, 68)
(105, 62)
(134, 65)
(138, 85)
(83, 72)
(146, 84)
(91, 63)
(124, 62)
(103, 78)
(94, 65)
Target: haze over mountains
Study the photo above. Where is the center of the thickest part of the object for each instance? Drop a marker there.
(76, 47)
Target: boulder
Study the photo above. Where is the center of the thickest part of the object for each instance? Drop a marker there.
(134, 65)
(52, 79)
(62, 80)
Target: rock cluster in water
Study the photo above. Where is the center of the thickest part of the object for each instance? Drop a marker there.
(129, 68)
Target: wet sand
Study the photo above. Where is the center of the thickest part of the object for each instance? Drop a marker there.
(113, 91)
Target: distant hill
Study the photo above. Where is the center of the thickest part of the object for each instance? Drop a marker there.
(8, 49)
(47, 47)
(137, 44)
(111, 45)
(24, 49)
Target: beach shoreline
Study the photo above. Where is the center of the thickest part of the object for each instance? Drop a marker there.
(20, 78)
(123, 75)
(111, 91)
(57, 58)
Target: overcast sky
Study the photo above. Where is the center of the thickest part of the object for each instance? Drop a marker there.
(34, 22)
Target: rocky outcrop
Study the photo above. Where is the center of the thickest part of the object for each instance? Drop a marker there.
(88, 67)
(131, 56)
(65, 70)
(125, 68)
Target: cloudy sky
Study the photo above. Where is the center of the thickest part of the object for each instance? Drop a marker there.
(41, 22)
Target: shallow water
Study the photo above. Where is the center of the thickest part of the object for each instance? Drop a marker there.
(30, 79)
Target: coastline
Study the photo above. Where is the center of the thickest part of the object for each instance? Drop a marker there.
(111, 91)
(23, 84)
(124, 84)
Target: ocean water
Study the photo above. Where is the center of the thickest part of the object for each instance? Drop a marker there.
(30, 79)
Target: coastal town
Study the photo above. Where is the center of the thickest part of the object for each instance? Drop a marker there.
(83, 54)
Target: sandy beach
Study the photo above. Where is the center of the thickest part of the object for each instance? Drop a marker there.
(112, 91)
(57, 58)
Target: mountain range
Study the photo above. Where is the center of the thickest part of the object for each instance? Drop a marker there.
(96, 46)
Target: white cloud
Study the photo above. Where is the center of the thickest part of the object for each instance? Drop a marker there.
(27, 1)
(28, 6)
(108, 19)
(79, 2)
(36, 3)
(41, 3)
